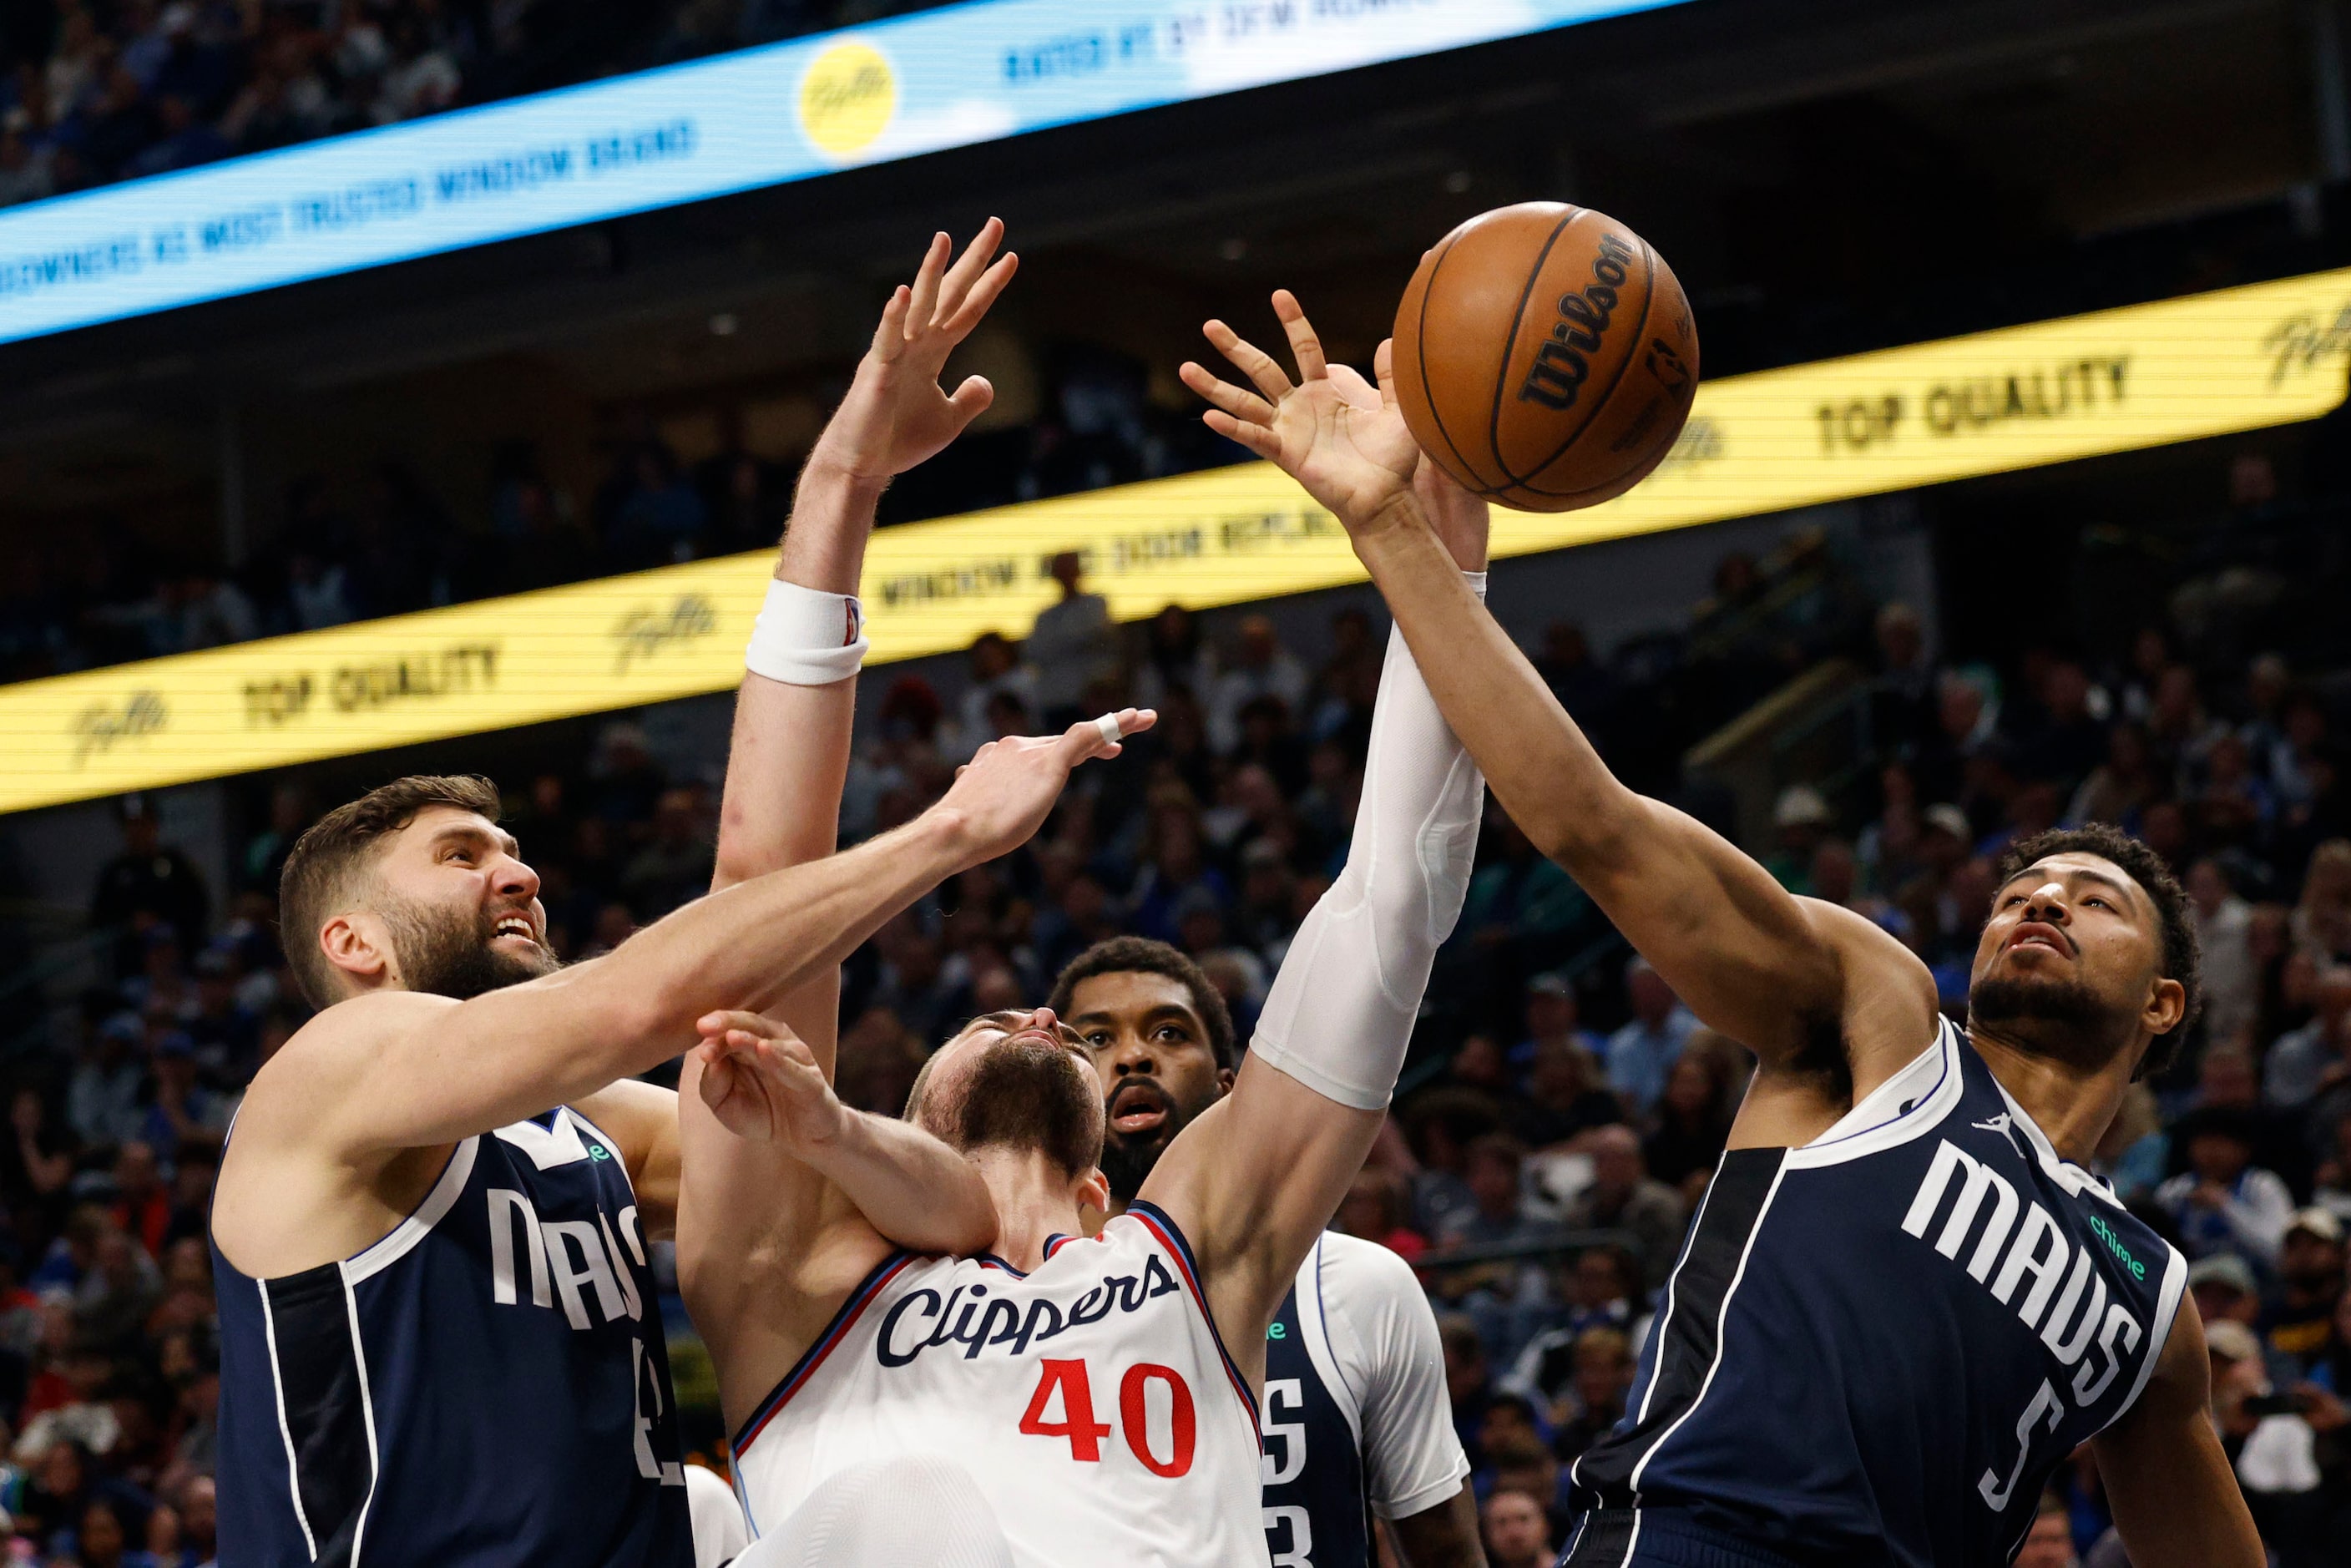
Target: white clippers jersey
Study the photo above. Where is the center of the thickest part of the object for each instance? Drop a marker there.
(1091, 1401)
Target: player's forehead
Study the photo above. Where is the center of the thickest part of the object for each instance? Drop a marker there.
(2074, 870)
(1122, 996)
(435, 826)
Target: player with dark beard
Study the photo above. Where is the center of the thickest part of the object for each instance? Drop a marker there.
(1357, 1418)
(441, 1339)
(1903, 1302)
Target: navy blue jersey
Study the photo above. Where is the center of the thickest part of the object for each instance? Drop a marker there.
(1318, 1510)
(487, 1384)
(1877, 1348)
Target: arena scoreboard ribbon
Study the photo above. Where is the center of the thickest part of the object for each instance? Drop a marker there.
(2206, 365)
(951, 76)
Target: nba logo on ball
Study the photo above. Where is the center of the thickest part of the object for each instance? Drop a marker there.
(1546, 355)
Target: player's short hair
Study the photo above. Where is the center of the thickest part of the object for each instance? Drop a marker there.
(1141, 955)
(2147, 869)
(324, 870)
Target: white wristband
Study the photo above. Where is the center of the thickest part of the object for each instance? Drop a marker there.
(805, 637)
(1477, 582)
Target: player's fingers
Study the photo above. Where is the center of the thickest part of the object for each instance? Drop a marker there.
(1093, 737)
(1256, 437)
(971, 399)
(1383, 369)
(890, 337)
(716, 1024)
(983, 294)
(1223, 394)
(1255, 362)
(1303, 340)
(967, 266)
(926, 281)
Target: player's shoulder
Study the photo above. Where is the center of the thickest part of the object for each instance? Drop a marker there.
(1361, 1281)
(339, 1040)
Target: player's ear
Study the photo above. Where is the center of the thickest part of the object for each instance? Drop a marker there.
(1093, 1190)
(2167, 1004)
(1225, 1076)
(357, 943)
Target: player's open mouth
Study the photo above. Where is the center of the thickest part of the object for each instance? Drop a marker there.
(515, 926)
(2037, 934)
(1139, 1107)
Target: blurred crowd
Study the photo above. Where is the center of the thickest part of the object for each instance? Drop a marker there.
(386, 542)
(1562, 1111)
(92, 91)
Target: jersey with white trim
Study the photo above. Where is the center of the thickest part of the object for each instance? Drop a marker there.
(487, 1384)
(1357, 1418)
(1877, 1348)
(1090, 1400)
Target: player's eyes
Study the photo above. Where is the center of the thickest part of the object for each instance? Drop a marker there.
(1096, 1039)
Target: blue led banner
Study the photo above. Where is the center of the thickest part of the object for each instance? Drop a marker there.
(949, 78)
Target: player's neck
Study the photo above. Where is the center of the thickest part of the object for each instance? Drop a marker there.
(1034, 1200)
(2072, 1107)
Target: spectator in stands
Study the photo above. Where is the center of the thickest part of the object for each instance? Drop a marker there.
(2223, 925)
(1072, 647)
(1374, 1209)
(1643, 1052)
(1604, 1290)
(1624, 1196)
(1566, 1094)
(1517, 1528)
(2223, 1202)
(146, 885)
(1260, 667)
(2316, 1058)
(1693, 1117)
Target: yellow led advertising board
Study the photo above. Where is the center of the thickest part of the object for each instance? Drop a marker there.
(2147, 375)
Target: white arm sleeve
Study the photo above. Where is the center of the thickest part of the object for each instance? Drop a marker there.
(1340, 1011)
(1384, 1337)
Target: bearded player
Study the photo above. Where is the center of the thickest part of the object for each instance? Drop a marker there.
(441, 1341)
(1903, 1302)
(1358, 1425)
(1049, 1398)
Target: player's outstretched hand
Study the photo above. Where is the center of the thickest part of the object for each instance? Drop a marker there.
(1357, 460)
(1462, 521)
(763, 1083)
(1003, 794)
(895, 415)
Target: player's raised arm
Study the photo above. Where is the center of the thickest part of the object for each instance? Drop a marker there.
(785, 767)
(1787, 977)
(1259, 1175)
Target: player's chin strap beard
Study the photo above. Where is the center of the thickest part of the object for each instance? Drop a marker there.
(2062, 1019)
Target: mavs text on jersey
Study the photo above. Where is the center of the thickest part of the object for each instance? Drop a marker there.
(1356, 1420)
(1875, 1348)
(357, 1418)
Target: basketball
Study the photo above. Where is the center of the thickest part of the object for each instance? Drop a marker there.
(1546, 355)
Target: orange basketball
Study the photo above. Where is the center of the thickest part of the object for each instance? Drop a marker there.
(1546, 355)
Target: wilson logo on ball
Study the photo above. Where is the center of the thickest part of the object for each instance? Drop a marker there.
(1560, 367)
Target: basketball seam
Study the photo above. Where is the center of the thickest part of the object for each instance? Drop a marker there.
(1428, 392)
(1510, 343)
(1648, 299)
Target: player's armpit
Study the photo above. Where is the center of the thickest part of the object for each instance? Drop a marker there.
(2174, 1498)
